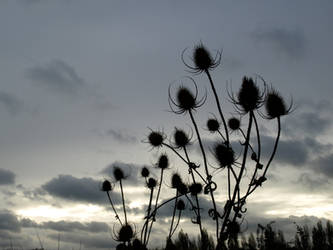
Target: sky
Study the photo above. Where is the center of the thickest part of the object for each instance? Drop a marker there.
(82, 84)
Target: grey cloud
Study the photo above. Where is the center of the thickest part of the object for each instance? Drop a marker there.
(121, 136)
(78, 189)
(312, 182)
(11, 103)
(57, 76)
(324, 164)
(291, 43)
(7, 177)
(9, 222)
(68, 226)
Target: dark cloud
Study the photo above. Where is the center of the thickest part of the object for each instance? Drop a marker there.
(9, 222)
(57, 76)
(7, 177)
(11, 103)
(291, 43)
(78, 189)
(121, 136)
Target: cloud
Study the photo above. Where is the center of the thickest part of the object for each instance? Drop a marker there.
(11, 103)
(312, 182)
(291, 43)
(7, 177)
(121, 136)
(324, 164)
(70, 226)
(57, 76)
(9, 222)
(78, 189)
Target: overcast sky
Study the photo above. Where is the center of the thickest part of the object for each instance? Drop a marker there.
(82, 82)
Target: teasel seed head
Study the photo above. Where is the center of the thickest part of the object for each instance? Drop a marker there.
(224, 155)
(213, 125)
(234, 123)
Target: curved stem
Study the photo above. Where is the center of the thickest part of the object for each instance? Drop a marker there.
(206, 169)
(114, 210)
(145, 226)
(181, 157)
(123, 200)
(174, 230)
(218, 105)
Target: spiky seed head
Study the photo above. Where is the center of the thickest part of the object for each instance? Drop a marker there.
(155, 139)
(195, 188)
(249, 97)
(181, 139)
(234, 123)
(118, 173)
(182, 188)
(202, 59)
(180, 205)
(176, 180)
(213, 125)
(144, 172)
(275, 105)
(151, 183)
(224, 155)
(163, 162)
(125, 233)
(185, 99)
(106, 186)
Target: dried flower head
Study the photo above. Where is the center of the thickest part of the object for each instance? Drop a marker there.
(180, 205)
(151, 183)
(118, 173)
(234, 123)
(182, 188)
(176, 180)
(125, 233)
(156, 138)
(163, 162)
(185, 99)
(181, 138)
(275, 105)
(195, 188)
(224, 155)
(213, 125)
(249, 97)
(106, 186)
(144, 172)
(203, 61)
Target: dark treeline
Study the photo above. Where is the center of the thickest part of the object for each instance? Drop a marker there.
(319, 237)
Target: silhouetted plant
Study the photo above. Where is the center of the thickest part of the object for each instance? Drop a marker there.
(248, 101)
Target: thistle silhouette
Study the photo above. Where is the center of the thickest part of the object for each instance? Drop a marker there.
(204, 174)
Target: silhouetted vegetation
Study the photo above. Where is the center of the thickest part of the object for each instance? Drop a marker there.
(253, 101)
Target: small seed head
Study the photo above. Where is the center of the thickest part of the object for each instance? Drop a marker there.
(125, 233)
(163, 162)
(181, 139)
(234, 123)
(182, 188)
(155, 139)
(249, 97)
(176, 180)
(275, 105)
(151, 183)
(202, 58)
(180, 205)
(118, 173)
(213, 125)
(224, 155)
(144, 172)
(106, 186)
(185, 99)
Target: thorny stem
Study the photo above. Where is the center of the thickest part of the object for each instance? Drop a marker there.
(145, 226)
(157, 196)
(173, 215)
(218, 105)
(196, 196)
(114, 210)
(236, 190)
(206, 169)
(123, 200)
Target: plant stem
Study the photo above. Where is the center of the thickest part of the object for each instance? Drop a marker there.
(114, 210)
(206, 169)
(145, 226)
(173, 215)
(123, 200)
